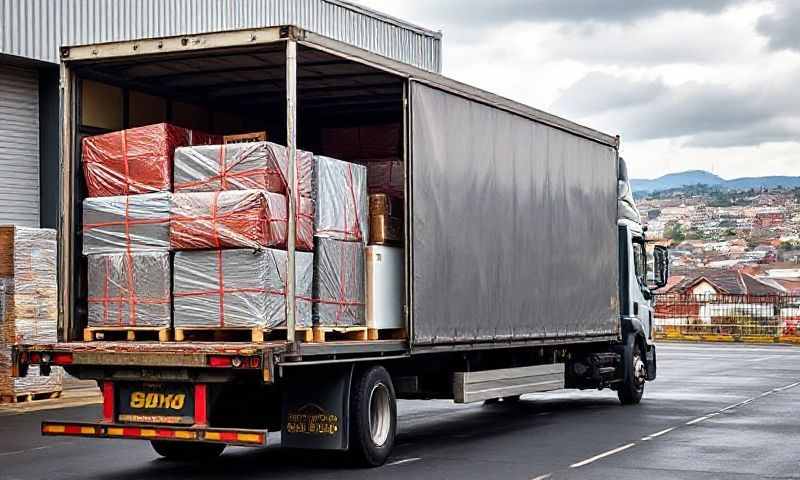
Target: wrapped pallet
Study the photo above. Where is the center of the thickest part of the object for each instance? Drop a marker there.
(240, 166)
(341, 200)
(239, 288)
(134, 223)
(385, 176)
(130, 290)
(136, 160)
(236, 218)
(338, 283)
(28, 305)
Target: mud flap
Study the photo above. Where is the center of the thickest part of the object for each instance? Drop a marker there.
(316, 407)
(650, 362)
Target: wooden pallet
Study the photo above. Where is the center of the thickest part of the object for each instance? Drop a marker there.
(130, 334)
(386, 334)
(242, 334)
(332, 333)
(29, 397)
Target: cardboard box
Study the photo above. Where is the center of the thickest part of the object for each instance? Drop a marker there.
(385, 176)
(361, 142)
(129, 290)
(384, 204)
(239, 288)
(128, 223)
(136, 160)
(385, 230)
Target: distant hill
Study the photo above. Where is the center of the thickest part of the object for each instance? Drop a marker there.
(694, 177)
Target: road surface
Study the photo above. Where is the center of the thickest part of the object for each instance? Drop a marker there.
(715, 411)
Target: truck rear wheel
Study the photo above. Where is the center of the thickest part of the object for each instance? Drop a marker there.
(631, 389)
(373, 417)
(187, 451)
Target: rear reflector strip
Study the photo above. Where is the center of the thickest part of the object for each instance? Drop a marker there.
(251, 438)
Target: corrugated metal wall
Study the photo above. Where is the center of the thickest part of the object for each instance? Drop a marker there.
(19, 146)
(36, 28)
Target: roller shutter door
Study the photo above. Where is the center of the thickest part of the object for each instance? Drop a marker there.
(19, 146)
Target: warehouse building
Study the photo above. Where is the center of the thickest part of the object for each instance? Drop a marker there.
(31, 32)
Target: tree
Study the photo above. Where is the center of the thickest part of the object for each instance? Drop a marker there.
(674, 231)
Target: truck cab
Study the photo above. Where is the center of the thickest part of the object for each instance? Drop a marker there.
(636, 291)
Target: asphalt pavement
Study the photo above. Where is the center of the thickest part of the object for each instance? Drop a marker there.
(715, 412)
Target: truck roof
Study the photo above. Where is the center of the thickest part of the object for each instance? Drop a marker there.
(200, 44)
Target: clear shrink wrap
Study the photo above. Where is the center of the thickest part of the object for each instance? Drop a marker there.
(240, 166)
(130, 290)
(338, 283)
(385, 176)
(136, 160)
(239, 288)
(237, 218)
(133, 223)
(353, 143)
(28, 304)
(341, 200)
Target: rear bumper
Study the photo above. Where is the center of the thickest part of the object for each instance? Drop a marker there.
(242, 437)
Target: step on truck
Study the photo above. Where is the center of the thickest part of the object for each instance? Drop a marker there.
(521, 272)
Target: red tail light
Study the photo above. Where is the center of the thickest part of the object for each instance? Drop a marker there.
(219, 361)
(62, 359)
(228, 361)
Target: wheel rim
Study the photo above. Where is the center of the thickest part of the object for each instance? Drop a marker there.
(380, 414)
(639, 371)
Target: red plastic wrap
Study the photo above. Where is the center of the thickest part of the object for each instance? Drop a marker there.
(237, 218)
(240, 166)
(137, 160)
(355, 143)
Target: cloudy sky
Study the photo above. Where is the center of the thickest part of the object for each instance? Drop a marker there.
(688, 84)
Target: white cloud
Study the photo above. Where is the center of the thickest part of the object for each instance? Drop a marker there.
(687, 84)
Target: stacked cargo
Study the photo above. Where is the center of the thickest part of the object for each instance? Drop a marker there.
(341, 229)
(126, 220)
(229, 228)
(28, 306)
(225, 217)
(379, 148)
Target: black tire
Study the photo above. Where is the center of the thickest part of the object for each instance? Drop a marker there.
(631, 389)
(373, 417)
(187, 451)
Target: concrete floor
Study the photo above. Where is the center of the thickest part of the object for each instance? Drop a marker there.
(716, 411)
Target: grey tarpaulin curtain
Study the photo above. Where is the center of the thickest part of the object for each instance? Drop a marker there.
(514, 225)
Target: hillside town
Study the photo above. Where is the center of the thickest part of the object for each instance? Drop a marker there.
(716, 231)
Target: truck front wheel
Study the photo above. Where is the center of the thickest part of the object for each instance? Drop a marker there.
(373, 417)
(187, 451)
(631, 389)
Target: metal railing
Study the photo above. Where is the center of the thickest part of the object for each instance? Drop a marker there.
(731, 315)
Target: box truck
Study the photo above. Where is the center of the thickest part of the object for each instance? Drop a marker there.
(520, 270)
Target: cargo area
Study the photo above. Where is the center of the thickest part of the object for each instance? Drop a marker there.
(231, 106)
(487, 220)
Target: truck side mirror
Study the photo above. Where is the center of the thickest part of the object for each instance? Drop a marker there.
(660, 265)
